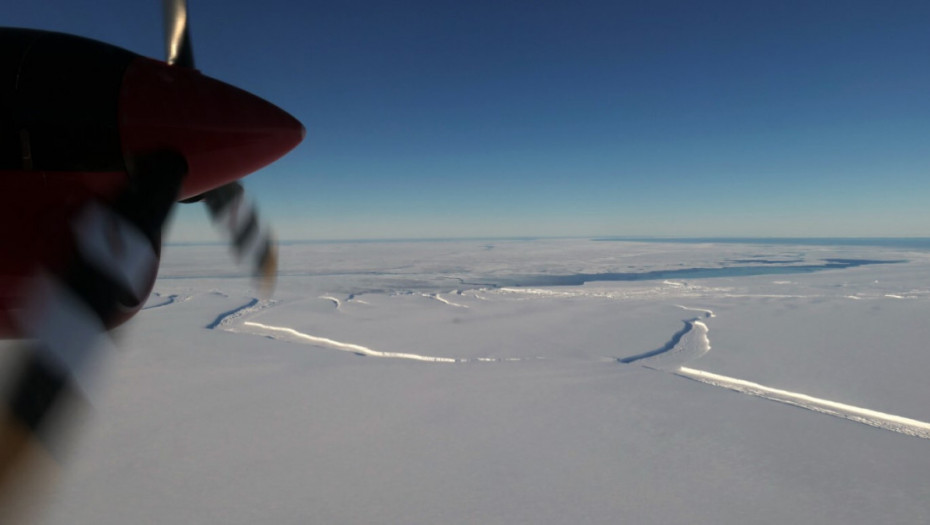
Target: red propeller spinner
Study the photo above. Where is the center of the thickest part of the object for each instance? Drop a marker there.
(224, 132)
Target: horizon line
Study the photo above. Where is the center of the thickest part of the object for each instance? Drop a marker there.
(618, 238)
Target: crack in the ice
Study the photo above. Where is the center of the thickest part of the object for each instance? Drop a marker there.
(685, 345)
(226, 318)
(579, 279)
(672, 343)
(171, 299)
(334, 300)
(696, 328)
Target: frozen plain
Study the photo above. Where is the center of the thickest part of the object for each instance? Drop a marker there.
(427, 382)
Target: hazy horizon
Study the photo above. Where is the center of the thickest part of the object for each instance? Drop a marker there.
(172, 238)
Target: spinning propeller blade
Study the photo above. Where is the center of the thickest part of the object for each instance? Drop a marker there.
(111, 268)
(235, 215)
(178, 50)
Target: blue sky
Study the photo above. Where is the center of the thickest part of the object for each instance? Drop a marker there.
(473, 119)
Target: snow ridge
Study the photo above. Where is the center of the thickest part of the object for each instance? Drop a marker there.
(442, 299)
(902, 425)
(347, 347)
(289, 334)
(335, 301)
(707, 313)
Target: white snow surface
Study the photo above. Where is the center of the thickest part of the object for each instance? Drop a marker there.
(439, 391)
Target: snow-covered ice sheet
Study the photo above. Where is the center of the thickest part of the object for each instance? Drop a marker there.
(414, 383)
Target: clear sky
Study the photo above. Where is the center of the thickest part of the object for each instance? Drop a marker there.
(497, 118)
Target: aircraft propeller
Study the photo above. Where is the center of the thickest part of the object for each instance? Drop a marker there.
(230, 210)
(180, 134)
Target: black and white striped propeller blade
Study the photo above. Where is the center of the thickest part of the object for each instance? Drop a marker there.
(111, 267)
(252, 243)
